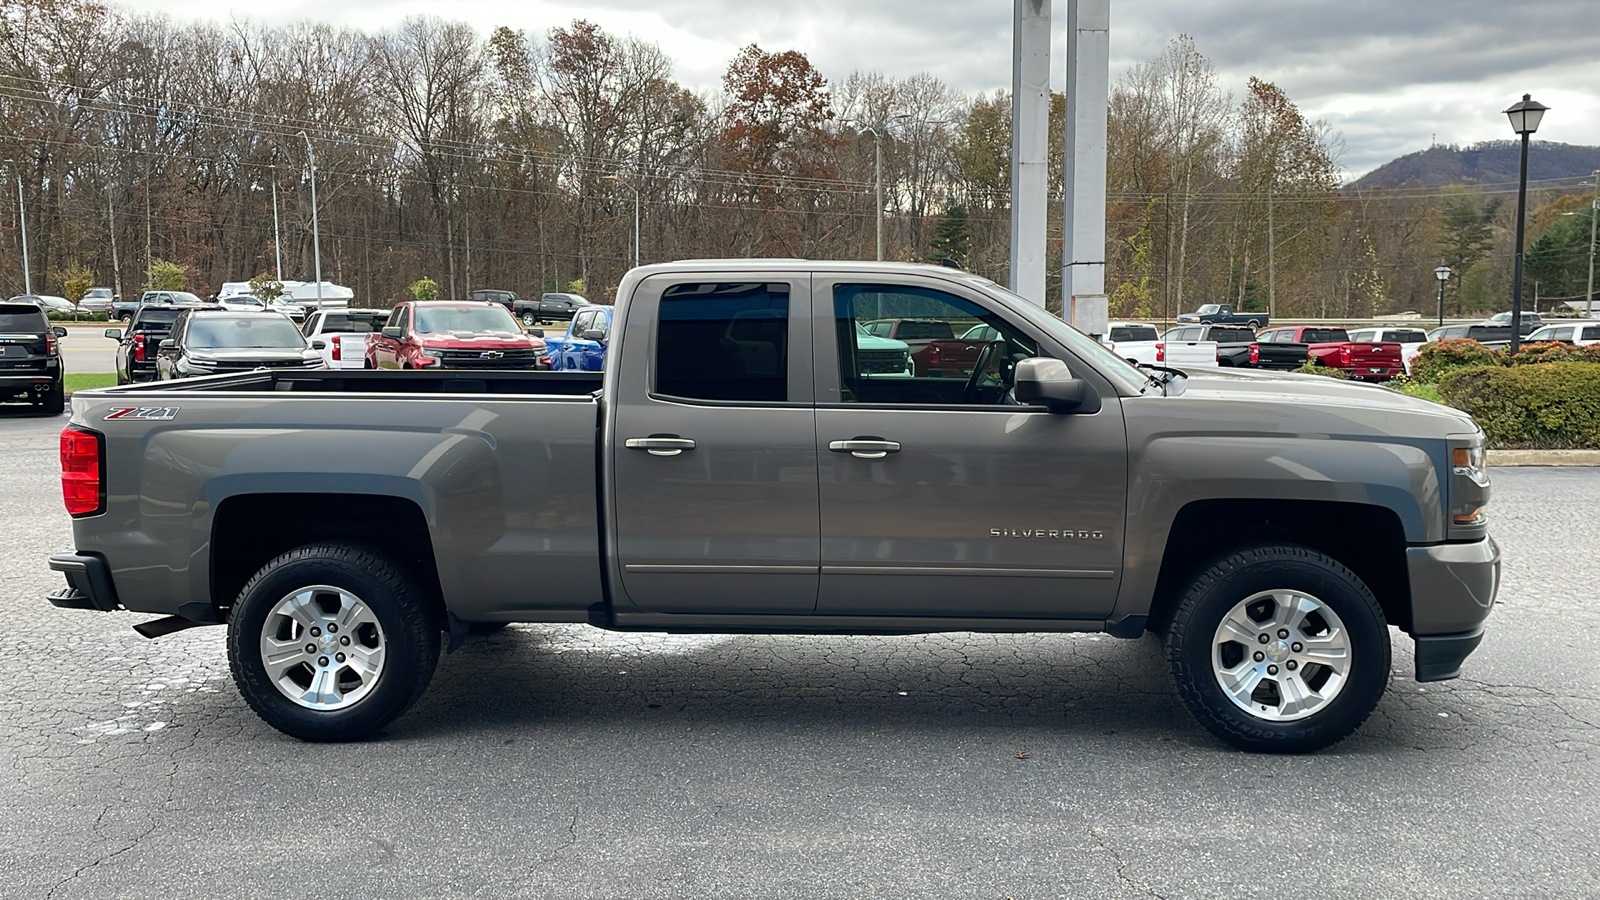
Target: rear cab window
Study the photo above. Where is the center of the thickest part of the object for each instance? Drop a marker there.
(726, 342)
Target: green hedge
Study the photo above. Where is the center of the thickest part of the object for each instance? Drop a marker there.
(1548, 406)
(1436, 358)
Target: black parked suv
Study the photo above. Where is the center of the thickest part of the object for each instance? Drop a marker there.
(136, 348)
(30, 358)
(508, 299)
(210, 341)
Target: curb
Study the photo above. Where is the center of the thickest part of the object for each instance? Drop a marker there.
(1501, 458)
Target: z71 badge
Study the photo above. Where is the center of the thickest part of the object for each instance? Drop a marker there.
(144, 413)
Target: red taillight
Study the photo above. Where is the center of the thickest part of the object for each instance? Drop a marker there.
(337, 350)
(80, 472)
(49, 343)
(138, 348)
(1255, 353)
(1161, 352)
(1344, 355)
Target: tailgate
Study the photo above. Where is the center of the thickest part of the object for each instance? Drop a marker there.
(1199, 354)
(1384, 355)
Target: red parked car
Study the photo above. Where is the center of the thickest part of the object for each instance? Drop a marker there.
(1365, 360)
(454, 334)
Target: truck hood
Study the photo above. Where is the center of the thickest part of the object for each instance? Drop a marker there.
(1308, 398)
(873, 342)
(462, 340)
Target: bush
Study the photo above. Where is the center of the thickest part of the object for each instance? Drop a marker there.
(165, 276)
(1545, 406)
(425, 289)
(1439, 357)
(1545, 352)
(1311, 367)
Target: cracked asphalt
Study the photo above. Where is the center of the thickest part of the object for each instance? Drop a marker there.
(564, 761)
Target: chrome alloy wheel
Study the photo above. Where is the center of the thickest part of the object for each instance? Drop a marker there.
(322, 648)
(1281, 655)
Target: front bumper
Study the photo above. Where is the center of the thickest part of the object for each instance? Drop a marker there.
(88, 582)
(1453, 588)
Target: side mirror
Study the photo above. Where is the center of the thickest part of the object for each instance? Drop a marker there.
(58, 331)
(594, 334)
(319, 345)
(114, 333)
(1049, 383)
(536, 332)
(393, 333)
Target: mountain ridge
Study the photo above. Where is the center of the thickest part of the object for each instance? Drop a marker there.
(1487, 162)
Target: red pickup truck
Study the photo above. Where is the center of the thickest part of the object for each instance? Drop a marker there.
(1365, 360)
(444, 334)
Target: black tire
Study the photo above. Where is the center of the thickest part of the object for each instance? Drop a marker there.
(529, 319)
(409, 639)
(1254, 324)
(1193, 638)
(125, 318)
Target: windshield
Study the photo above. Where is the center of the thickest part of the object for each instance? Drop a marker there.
(184, 298)
(260, 332)
(1119, 370)
(1209, 308)
(471, 319)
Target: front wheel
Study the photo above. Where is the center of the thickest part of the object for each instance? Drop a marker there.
(1279, 649)
(331, 642)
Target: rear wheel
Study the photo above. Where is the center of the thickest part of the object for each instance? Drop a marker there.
(529, 319)
(1279, 649)
(331, 642)
(1254, 324)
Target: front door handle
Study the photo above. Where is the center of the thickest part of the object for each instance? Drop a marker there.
(865, 448)
(659, 445)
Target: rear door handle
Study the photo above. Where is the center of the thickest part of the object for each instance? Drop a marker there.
(659, 446)
(865, 448)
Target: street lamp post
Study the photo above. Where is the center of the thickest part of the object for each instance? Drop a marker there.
(1525, 117)
(1443, 274)
(316, 235)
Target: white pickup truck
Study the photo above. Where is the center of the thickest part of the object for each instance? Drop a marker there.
(344, 334)
(1173, 350)
(1136, 342)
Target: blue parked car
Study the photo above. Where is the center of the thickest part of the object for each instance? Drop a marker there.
(583, 347)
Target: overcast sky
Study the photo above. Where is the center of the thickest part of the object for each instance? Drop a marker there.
(1391, 76)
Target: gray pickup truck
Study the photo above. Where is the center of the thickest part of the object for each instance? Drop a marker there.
(734, 469)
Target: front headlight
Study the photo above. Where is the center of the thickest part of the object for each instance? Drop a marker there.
(435, 354)
(1469, 487)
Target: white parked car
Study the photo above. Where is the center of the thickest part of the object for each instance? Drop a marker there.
(1409, 339)
(1579, 333)
(344, 334)
(245, 303)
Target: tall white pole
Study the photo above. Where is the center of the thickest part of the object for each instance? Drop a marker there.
(1030, 145)
(277, 239)
(636, 223)
(316, 236)
(116, 263)
(22, 219)
(1088, 92)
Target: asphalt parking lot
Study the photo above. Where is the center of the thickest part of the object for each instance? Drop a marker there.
(563, 761)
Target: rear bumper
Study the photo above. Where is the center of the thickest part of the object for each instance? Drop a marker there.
(1383, 373)
(1453, 588)
(88, 582)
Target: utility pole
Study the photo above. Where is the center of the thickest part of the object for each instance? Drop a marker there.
(877, 180)
(277, 240)
(22, 220)
(1272, 247)
(1594, 213)
(316, 234)
(116, 265)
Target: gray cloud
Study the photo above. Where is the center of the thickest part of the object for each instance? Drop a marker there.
(1388, 74)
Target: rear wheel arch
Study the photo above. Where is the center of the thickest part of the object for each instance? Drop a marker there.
(250, 530)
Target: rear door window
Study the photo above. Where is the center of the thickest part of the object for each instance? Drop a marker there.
(1591, 333)
(725, 342)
